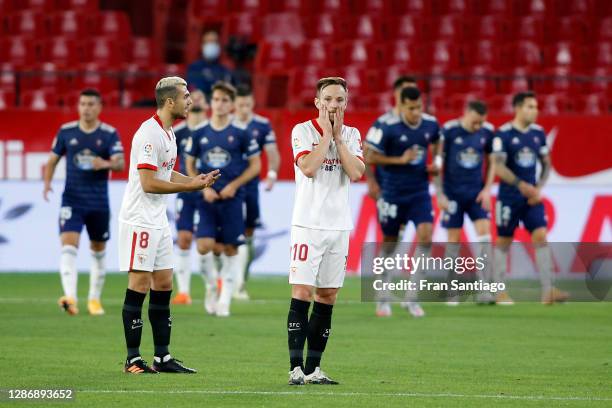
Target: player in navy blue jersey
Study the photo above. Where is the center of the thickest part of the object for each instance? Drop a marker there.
(461, 188)
(219, 144)
(259, 129)
(371, 174)
(186, 202)
(399, 147)
(92, 148)
(518, 146)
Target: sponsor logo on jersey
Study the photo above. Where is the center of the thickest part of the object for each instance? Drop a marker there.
(169, 165)
(421, 154)
(468, 158)
(217, 157)
(525, 157)
(84, 159)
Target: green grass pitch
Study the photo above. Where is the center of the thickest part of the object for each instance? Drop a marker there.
(468, 356)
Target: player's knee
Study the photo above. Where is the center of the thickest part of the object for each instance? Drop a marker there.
(204, 247)
(183, 240)
(97, 246)
(327, 296)
(453, 235)
(538, 236)
(230, 250)
(301, 292)
(248, 232)
(139, 282)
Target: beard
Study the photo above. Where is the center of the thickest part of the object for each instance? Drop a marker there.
(196, 109)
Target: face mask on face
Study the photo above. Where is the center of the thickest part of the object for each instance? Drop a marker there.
(211, 51)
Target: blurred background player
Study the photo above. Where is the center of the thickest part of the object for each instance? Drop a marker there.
(219, 144)
(518, 146)
(399, 147)
(328, 157)
(465, 144)
(371, 171)
(259, 129)
(203, 73)
(186, 202)
(145, 239)
(92, 148)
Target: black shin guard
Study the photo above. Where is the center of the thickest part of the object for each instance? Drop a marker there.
(297, 330)
(319, 329)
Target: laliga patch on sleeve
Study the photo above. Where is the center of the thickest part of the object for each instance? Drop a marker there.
(148, 148)
(296, 143)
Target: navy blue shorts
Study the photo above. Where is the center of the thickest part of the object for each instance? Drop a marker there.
(222, 220)
(391, 216)
(187, 210)
(508, 213)
(96, 221)
(458, 206)
(251, 201)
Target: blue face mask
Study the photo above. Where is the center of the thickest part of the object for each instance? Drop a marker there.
(211, 51)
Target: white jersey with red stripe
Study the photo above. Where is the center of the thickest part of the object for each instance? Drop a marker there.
(322, 202)
(153, 148)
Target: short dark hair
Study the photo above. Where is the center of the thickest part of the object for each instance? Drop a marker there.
(410, 93)
(91, 92)
(243, 90)
(224, 87)
(477, 106)
(519, 98)
(401, 80)
(325, 82)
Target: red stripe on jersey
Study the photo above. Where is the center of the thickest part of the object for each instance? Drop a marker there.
(300, 154)
(134, 236)
(158, 120)
(146, 166)
(360, 158)
(316, 126)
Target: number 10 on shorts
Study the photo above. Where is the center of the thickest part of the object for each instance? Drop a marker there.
(299, 252)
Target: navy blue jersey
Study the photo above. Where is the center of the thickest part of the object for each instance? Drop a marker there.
(86, 188)
(464, 155)
(522, 151)
(376, 125)
(183, 132)
(226, 150)
(260, 130)
(392, 138)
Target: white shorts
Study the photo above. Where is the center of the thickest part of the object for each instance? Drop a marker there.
(145, 249)
(318, 257)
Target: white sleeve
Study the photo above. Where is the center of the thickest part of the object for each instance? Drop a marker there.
(147, 155)
(301, 142)
(355, 146)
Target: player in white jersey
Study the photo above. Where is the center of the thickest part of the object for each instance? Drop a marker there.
(145, 241)
(328, 156)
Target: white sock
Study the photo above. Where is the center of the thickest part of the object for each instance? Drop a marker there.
(500, 265)
(208, 269)
(243, 258)
(418, 275)
(229, 272)
(183, 271)
(68, 270)
(544, 262)
(97, 274)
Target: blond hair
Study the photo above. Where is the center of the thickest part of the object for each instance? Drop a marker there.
(167, 88)
(325, 82)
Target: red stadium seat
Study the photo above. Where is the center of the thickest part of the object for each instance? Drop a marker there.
(481, 53)
(533, 8)
(528, 28)
(71, 24)
(242, 25)
(105, 51)
(144, 52)
(521, 54)
(443, 7)
(7, 7)
(501, 104)
(255, 7)
(492, 28)
(517, 82)
(441, 55)
(337, 7)
(571, 7)
(113, 24)
(143, 82)
(371, 7)
(598, 81)
(603, 54)
(37, 5)
(595, 104)
(404, 53)
(27, 23)
(413, 7)
(315, 53)
(203, 9)
(405, 27)
(85, 6)
(357, 80)
(40, 99)
(391, 73)
(450, 28)
(363, 27)
(302, 86)
(285, 27)
(324, 26)
(274, 57)
(561, 54)
(7, 98)
(479, 79)
(302, 7)
(493, 7)
(569, 29)
(7, 76)
(18, 50)
(602, 8)
(62, 51)
(605, 29)
(458, 101)
(552, 104)
(47, 76)
(358, 53)
(103, 82)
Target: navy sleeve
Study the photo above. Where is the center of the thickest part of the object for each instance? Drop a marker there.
(59, 145)
(114, 145)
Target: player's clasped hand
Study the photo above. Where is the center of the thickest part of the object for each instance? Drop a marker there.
(210, 195)
(484, 199)
(409, 155)
(99, 163)
(229, 191)
(202, 181)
